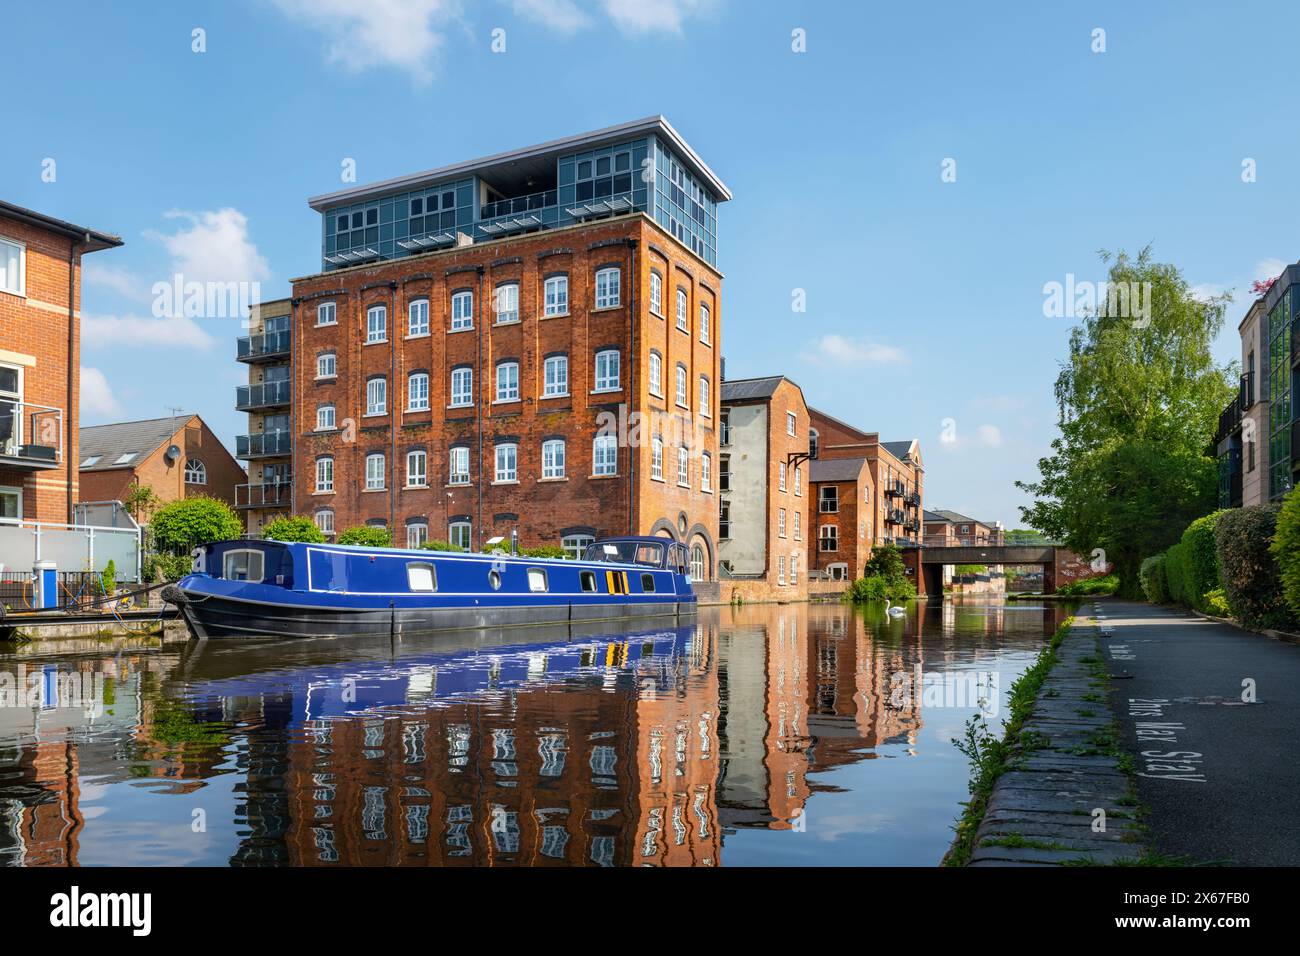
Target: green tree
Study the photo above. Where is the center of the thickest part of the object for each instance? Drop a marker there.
(140, 502)
(180, 525)
(368, 535)
(294, 528)
(1139, 399)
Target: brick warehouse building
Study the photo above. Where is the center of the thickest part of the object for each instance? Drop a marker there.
(529, 341)
(40, 361)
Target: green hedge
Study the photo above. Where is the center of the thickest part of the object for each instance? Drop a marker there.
(1108, 584)
(1201, 561)
(294, 528)
(1286, 550)
(1252, 581)
(1154, 583)
(369, 536)
(1176, 573)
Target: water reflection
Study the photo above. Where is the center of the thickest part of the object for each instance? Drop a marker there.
(755, 735)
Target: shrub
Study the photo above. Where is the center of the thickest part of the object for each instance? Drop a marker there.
(1107, 584)
(369, 536)
(441, 546)
(1216, 603)
(877, 587)
(180, 525)
(108, 580)
(167, 567)
(544, 551)
(1176, 573)
(1152, 576)
(298, 528)
(1286, 550)
(1200, 562)
(1252, 583)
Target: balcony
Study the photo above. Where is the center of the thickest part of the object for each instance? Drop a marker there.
(912, 499)
(266, 445)
(262, 395)
(263, 347)
(31, 436)
(1229, 420)
(267, 494)
(895, 516)
(895, 489)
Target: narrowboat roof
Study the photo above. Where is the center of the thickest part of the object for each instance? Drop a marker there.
(462, 555)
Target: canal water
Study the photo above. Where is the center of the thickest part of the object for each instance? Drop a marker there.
(762, 735)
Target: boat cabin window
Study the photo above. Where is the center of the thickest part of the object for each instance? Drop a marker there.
(677, 558)
(648, 553)
(242, 565)
(494, 579)
(536, 579)
(648, 583)
(421, 577)
(588, 580)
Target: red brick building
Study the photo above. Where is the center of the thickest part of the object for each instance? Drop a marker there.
(40, 361)
(764, 483)
(530, 341)
(841, 515)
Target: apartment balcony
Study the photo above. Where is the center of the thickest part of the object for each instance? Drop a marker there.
(266, 445)
(263, 347)
(895, 516)
(1229, 420)
(895, 489)
(263, 395)
(912, 499)
(31, 436)
(266, 494)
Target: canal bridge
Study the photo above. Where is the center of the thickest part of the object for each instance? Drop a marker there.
(1059, 564)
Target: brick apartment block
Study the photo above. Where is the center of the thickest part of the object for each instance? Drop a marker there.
(765, 542)
(446, 301)
(40, 361)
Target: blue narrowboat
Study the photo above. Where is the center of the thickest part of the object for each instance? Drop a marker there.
(249, 588)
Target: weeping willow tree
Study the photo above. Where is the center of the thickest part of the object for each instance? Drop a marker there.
(1139, 399)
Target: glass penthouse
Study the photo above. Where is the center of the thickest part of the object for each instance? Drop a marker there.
(642, 165)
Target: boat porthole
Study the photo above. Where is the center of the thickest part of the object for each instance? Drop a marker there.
(494, 579)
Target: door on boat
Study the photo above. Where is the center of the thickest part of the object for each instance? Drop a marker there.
(677, 565)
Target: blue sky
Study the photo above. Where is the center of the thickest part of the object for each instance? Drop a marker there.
(924, 297)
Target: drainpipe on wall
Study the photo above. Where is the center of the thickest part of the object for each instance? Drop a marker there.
(633, 359)
(478, 410)
(69, 460)
(393, 406)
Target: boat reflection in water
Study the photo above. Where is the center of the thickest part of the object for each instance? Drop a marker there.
(768, 734)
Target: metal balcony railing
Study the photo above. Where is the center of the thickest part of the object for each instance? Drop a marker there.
(266, 494)
(264, 445)
(262, 395)
(263, 346)
(31, 436)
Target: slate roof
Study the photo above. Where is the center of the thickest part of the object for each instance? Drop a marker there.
(747, 389)
(899, 449)
(835, 469)
(934, 516)
(956, 517)
(110, 442)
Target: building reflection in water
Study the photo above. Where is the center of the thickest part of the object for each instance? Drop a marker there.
(640, 749)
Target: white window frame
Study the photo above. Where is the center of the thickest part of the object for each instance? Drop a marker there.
(458, 455)
(798, 531)
(706, 471)
(780, 570)
(325, 475)
(506, 455)
(798, 481)
(609, 287)
(553, 458)
(195, 475)
(20, 288)
(706, 397)
(604, 455)
(683, 396)
(417, 533)
(462, 396)
(577, 544)
(555, 296)
(417, 318)
(505, 303)
(375, 472)
(462, 310)
(683, 310)
(833, 537)
(706, 324)
(248, 554)
(15, 492)
(560, 387)
(327, 313)
(780, 476)
(322, 360)
(376, 396)
(656, 294)
(417, 392)
(325, 417)
(657, 458)
(791, 421)
(325, 521)
(506, 391)
(417, 476)
(376, 324)
(460, 533)
(656, 374)
(683, 467)
(608, 366)
(780, 522)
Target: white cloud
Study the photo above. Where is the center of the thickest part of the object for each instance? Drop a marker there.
(215, 247)
(114, 331)
(362, 34)
(989, 436)
(1205, 291)
(1269, 268)
(839, 350)
(643, 16)
(96, 395)
(119, 280)
(563, 16)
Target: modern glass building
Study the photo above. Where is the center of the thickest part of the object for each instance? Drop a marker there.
(643, 165)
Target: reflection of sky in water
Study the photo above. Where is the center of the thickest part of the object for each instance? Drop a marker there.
(762, 735)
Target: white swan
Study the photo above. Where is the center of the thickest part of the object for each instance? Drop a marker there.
(894, 611)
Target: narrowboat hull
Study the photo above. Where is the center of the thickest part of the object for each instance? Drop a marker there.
(209, 615)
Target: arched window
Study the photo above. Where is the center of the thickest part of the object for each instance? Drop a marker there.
(195, 472)
(697, 563)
